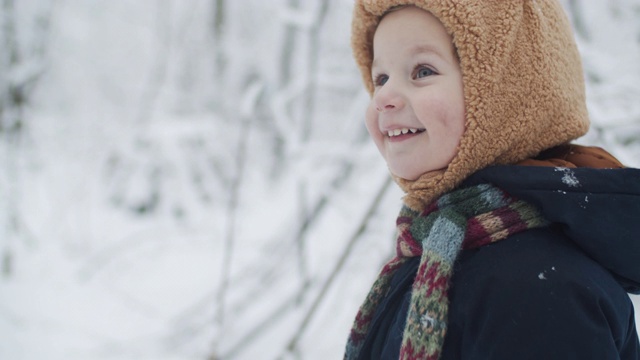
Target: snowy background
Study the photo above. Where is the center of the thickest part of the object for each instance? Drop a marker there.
(191, 179)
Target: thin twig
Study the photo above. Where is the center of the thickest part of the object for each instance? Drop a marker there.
(293, 343)
(232, 210)
(248, 106)
(263, 325)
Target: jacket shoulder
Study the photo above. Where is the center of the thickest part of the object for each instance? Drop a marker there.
(536, 295)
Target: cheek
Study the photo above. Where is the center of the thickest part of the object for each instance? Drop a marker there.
(443, 115)
(371, 122)
(459, 118)
(459, 112)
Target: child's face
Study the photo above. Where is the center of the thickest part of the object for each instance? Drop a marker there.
(416, 116)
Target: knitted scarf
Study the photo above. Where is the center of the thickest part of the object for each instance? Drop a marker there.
(462, 219)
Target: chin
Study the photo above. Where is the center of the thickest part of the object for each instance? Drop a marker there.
(407, 175)
(415, 175)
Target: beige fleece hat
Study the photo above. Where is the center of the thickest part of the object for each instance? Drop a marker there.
(522, 77)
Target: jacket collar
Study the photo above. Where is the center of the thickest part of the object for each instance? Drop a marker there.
(598, 209)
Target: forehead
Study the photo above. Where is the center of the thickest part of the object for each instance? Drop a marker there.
(411, 30)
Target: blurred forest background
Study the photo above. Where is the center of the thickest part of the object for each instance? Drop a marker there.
(193, 180)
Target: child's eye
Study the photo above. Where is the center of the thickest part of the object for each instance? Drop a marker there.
(422, 71)
(380, 80)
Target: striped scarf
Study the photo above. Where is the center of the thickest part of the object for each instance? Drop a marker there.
(462, 219)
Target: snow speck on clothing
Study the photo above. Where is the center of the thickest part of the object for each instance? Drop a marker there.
(568, 177)
(541, 276)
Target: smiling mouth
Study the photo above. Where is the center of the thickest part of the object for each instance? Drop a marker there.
(403, 131)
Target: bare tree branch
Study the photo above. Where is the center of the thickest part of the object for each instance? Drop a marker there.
(292, 346)
(248, 106)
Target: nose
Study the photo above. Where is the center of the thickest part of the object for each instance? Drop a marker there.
(388, 98)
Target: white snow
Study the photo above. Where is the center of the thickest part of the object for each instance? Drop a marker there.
(116, 200)
(568, 177)
(541, 276)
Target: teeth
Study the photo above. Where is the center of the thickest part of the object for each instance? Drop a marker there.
(402, 131)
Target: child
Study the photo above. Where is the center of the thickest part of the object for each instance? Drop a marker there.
(512, 243)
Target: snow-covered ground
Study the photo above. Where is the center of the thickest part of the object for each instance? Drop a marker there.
(127, 202)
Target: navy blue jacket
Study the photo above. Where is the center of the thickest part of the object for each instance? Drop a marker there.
(552, 293)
